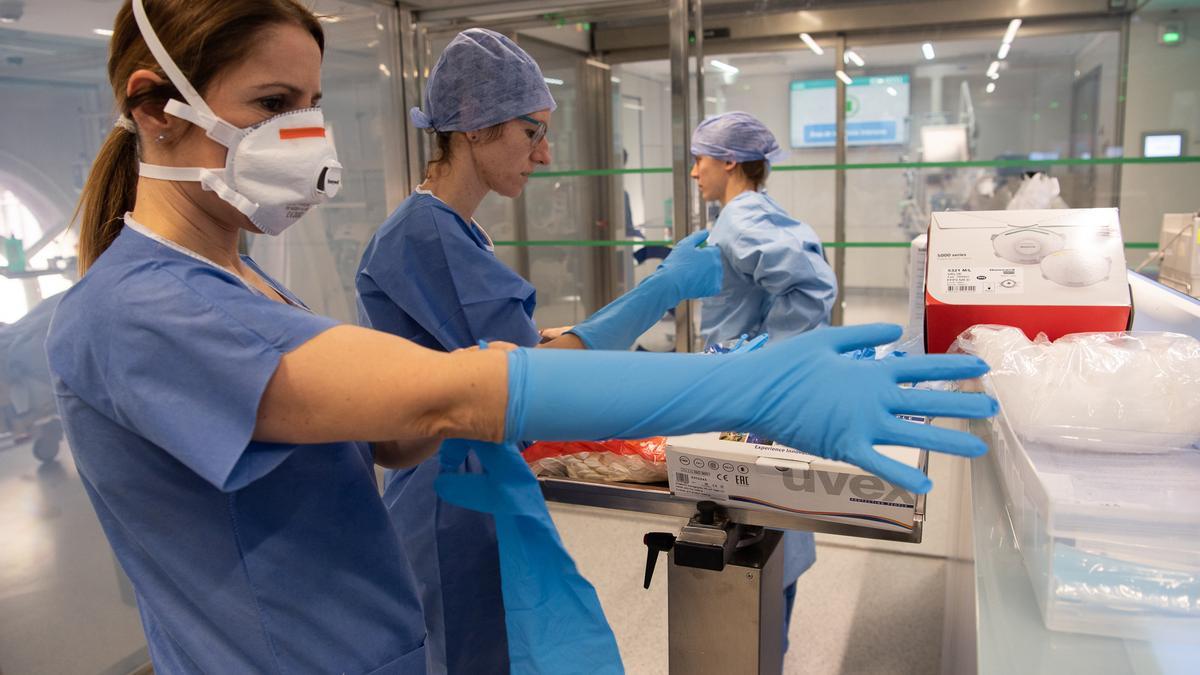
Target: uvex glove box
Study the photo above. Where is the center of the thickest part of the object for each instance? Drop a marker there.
(1053, 271)
(743, 470)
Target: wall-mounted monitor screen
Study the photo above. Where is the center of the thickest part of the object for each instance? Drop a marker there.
(1162, 144)
(876, 111)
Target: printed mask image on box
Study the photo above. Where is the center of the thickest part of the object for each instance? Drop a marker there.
(1027, 245)
(1076, 268)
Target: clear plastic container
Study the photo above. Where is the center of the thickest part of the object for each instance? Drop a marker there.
(1111, 541)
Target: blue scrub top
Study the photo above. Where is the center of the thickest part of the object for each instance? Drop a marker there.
(431, 277)
(244, 556)
(777, 280)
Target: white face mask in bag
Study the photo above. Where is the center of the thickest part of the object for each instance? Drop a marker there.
(275, 171)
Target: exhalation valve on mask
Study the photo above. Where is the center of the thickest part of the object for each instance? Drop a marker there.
(275, 171)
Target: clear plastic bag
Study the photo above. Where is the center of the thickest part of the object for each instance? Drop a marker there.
(1115, 392)
(1087, 577)
(635, 461)
(1038, 191)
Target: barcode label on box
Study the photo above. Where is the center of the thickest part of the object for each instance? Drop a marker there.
(960, 289)
(681, 478)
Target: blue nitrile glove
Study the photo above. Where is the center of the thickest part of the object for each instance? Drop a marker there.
(554, 620)
(800, 392)
(745, 346)
(688, 272)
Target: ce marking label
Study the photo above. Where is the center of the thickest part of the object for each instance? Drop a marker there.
(723, 477)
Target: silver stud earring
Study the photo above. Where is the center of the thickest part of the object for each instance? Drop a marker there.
(161, 138)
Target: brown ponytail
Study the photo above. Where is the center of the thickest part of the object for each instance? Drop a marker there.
(109, 192)
(204, 37)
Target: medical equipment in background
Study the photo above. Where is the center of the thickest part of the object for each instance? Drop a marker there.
(943, 139)
(981, 270)
(944, 143)
(1179, 253)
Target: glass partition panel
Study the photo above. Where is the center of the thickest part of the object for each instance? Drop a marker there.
(317, 258)
(544, 234)
(963, 128)
(776, 87)
(65, 605)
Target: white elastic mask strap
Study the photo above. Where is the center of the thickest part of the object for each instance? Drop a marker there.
(199, 113)
(164, 60)
(218, 129)
(212, 180)
(175, 173)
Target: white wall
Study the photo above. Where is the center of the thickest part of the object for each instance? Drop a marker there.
(648, 192)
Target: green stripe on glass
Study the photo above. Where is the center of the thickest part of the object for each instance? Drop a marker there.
(595, 243)
(985, 164)
(583, 243)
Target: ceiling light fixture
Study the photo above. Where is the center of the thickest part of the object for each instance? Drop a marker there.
(1011, 33)
(723, 67)
(812, 44)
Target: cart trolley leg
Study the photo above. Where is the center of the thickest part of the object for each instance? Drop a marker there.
(724, 594)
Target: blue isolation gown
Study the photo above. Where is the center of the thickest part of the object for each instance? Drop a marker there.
(430, 277)
(777, 281)
(244, 556)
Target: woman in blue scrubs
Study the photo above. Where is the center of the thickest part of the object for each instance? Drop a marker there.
(216, 423)
(430, 275)
(776, 278)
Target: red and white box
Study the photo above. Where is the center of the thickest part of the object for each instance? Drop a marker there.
(1054, 271)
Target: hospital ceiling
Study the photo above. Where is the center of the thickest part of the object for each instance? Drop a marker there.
(56, 39)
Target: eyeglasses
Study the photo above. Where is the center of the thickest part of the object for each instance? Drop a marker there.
(538, 133)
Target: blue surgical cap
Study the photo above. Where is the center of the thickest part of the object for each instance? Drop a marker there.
(481, 79)
(736, 137)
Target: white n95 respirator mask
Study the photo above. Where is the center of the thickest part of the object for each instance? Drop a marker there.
(275, 171)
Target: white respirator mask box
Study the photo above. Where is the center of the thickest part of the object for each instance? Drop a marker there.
(1052, 271)
(744, 471)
